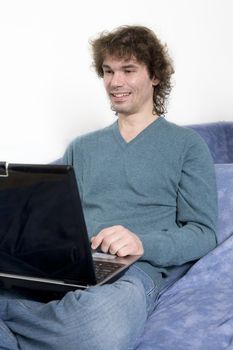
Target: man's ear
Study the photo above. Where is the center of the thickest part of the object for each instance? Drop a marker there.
(155, 81)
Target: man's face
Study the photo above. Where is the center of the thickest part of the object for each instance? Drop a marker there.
(128, 85)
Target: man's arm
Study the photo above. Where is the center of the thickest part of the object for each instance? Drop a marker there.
(196, 219)
(196, 213)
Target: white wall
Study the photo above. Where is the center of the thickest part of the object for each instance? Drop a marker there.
(49, 94)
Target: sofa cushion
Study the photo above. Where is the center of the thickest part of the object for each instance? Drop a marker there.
(219, 138)
(196, 312)
(224, 178)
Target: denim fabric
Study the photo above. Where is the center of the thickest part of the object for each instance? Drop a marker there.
(107, 317)
(7, 339)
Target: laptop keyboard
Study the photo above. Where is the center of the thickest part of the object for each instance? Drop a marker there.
(104, 268)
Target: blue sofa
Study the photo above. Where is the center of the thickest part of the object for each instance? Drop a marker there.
(196, 311)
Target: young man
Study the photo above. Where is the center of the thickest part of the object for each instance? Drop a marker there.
(147, 187)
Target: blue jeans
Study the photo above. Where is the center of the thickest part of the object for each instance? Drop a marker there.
(101, 318)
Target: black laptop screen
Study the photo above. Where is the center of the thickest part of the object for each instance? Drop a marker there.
(42, 229)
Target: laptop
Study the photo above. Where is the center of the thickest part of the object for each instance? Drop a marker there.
(44, 243)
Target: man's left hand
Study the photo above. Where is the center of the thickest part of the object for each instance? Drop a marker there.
(117, 240)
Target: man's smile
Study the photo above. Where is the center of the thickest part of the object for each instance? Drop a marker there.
(120, 94)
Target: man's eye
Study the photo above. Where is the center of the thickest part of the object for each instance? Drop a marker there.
(107, 72)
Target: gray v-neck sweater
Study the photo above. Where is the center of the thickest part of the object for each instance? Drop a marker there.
(161, 185)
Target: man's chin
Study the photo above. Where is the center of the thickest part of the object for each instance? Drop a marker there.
(122, 111)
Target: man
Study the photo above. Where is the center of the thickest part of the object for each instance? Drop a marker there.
(147, 187)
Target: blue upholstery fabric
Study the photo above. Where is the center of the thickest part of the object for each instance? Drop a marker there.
(197, 311)
(219, 138)
(224, 177)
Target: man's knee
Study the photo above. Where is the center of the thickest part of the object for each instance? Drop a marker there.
(107, 317)
(117, 319)
(7, 339)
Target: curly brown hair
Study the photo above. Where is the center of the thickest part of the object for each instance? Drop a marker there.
(141, 43)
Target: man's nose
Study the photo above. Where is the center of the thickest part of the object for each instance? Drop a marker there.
(117, 79)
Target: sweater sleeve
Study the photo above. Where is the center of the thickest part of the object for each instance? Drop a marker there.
(196, 217)
(68, 157)
(74, 156)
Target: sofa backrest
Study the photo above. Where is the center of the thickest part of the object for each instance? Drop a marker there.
(219, 138)
(224, 178)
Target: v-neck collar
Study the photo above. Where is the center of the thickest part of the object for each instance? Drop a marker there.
(123, 142)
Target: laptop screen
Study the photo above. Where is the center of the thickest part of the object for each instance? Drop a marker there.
(42, 228)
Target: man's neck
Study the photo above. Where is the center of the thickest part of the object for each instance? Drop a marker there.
(133, 125)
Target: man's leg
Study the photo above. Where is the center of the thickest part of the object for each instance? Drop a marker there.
(7, 340)
(107, 317)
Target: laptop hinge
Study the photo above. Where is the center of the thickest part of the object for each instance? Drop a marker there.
(4, 169)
